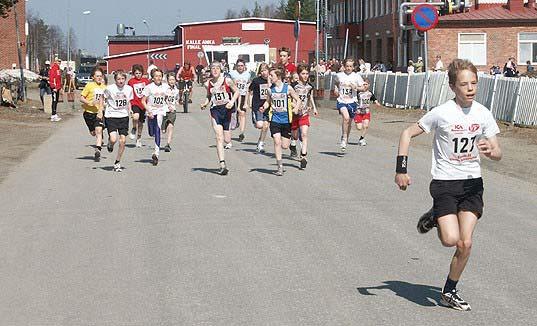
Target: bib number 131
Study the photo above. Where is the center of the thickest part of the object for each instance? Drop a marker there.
(460, 145)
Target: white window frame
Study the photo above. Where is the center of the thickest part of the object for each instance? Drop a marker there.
(459, 47)
(518, 48)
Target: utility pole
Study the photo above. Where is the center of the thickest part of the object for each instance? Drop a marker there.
(22, 94)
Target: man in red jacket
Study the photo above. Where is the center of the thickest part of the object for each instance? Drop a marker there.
(55, 81)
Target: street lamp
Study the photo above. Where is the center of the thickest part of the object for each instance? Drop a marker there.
(86, 13)
(148, 33)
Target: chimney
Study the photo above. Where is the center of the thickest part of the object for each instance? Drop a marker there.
(515, 5)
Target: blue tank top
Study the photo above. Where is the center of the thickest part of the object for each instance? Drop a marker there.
(280, 110)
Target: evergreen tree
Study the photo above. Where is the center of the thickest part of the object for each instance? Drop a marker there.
(307, 11)
(5, 7)
(257, 11)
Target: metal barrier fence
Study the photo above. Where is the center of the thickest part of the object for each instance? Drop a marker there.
(511, 100)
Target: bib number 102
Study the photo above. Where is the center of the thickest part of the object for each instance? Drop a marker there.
(460, 145)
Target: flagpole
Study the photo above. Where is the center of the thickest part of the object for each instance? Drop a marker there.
(297, 34)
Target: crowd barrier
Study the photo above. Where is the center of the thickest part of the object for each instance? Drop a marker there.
(512, 100)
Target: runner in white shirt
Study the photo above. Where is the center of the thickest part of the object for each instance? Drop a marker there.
(463, 130)
(242, 79)
(172, 98)
(348, 83)
(154, 101)
(117, 98)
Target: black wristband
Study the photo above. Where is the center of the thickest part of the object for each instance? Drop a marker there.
(401, 166)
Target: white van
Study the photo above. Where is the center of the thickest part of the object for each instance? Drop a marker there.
(252, 54)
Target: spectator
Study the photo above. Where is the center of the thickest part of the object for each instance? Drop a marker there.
(176, 69)
(529, 67)
(320, 69)
(410, 69)
(495, 70)
(509, 69)
(55, 81)
(389, 66)
(361, 65)
(418, 66)
(439, 66)
(199, 73)
(44, 87)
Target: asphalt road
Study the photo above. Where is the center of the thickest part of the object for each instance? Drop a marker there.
(177, 244)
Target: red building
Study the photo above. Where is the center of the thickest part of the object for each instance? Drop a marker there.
(8, 53)
(188, 39)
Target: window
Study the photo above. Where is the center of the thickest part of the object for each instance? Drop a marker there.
(473, 46)
(245, 57)
(527, 48)
(259, 58)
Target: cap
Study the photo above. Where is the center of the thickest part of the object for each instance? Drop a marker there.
(420, 58)
(47, 62)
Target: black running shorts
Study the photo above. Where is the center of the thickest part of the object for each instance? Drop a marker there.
(242, 100)
(119, 125)
(453, 196)
(169, 118)
(140, 111)
(284, 129)
(92, 121)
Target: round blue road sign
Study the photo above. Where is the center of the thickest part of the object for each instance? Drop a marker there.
(424, 17)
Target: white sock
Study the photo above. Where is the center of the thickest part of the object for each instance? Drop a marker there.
(293, 142)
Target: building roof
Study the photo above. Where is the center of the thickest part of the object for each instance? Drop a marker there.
(126, 54)
(245, 19)
(493, 14)
(141, 38)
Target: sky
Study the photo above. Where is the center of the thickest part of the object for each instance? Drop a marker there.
(162, 16)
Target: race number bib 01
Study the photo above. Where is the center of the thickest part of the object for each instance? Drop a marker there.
(219, 96)
(279, 102)
(263, 91)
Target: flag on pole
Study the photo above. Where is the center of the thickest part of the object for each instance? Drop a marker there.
(297, 21)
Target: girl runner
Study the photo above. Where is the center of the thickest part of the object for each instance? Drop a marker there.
(281, 114)
(221, 94)
(154, 102)
(257, 96)
(363, 113)
(172, 97)
(241, 77)
(138, 83)
(117, 97)
(463, 129)
(347, 84)
(302, 120)
(91, 97)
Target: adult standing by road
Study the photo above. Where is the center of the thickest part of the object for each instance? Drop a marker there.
(418, 65)
(510, 69)
(439, 65)
(44, 86)
(199, 73)
(55, 81)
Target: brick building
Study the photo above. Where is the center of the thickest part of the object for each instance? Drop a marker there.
(8, 50)
(488, 35)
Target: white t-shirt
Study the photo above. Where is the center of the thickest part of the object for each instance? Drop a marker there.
(439, 65)
(456, 133)
(347, 86)
(156, 98)
(117, 101)
(241, 80)
(172, 97)
(150, 68)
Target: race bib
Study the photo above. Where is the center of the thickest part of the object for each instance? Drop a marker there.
(279, 102)
(121, 101)
(463, 145)
(346, 92)
(219, 96)
(159, 101)
(242, 86)
(138, 89)
(263, 91)
(98, 95)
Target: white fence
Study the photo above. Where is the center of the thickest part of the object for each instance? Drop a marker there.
(511, 100)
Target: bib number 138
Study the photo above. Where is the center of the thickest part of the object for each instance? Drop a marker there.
(463, 145)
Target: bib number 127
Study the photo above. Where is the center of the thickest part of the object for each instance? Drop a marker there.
(460, 145)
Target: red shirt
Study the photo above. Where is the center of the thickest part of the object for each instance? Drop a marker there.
(55, 77)
(290, 68)
(138, 86)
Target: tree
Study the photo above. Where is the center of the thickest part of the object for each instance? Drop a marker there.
(5, 7)
(307, 11)
(257, 11)
(280, 12)
(231, 14)
(245, 13)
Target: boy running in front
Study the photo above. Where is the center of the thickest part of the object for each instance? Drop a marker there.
(463, 130)
(362, 117)
(138, 83)
(117, 97)
(281, 114)
(301, 121)
(154, 97)
(91, 98)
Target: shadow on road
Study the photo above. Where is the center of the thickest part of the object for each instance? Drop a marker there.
(249, 143)
(262, 170)
(336, 154)
(108, 168)
(88, 158)
(424, 295)
(251, 150)
(206, 170)
(145, 161)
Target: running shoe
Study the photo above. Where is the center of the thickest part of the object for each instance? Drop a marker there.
(303, 163)
(139, 143)
(343, 145)
(55, 118)
(154, 159)
(189, 101)
(117, 167)
(261, 147)
(167, 148)
(223, 170)
(426, 222)
(110, 147)
(280, 171)
(228, 145)
(132, 134)
(453, 300)
(241, 137)
(294, 153)
(362, 142)
(97, 156)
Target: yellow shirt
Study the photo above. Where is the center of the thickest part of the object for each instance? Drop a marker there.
(93, 93)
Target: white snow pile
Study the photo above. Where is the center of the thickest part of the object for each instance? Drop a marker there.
(12, 75)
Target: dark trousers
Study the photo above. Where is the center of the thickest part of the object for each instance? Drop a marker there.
(55, 99)
(42, 92)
